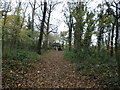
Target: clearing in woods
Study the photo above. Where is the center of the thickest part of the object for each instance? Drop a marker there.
(55, 72)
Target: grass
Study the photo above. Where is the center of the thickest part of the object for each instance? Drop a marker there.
(101, 66)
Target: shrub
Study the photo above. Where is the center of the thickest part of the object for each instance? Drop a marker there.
(102, 64)
(20, 55)
(18, 59)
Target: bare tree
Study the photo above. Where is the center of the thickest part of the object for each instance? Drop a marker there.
(69, 22)
(51, 7)
(24, 12)
(33, 5)
(42, 28)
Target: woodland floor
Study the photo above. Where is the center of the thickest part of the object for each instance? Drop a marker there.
(54, 72)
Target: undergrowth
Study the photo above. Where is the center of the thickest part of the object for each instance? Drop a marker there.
(98, 66)
(16, 63)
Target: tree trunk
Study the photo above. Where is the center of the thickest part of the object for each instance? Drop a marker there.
(116, 42)
(117, 49)
(111, 52)
(75, 41)
(100, 38)
(33, 14)
(3, 31)
(46, 41)
(23, 17)
(77, 38)
(117, 32)
(108, 41)
(70, 32)
(42, 28)
(47, 32)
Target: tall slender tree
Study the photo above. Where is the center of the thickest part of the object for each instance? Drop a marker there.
(50, 7)
(90, 28)
(33, 5)
(42, 28)
(116, 15)
(78, 14)
(24, 12)
(69, 22)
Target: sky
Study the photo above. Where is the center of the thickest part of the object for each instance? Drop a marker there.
(57, 15)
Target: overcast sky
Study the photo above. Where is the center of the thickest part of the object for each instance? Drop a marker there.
(58, 14)
(57, 17)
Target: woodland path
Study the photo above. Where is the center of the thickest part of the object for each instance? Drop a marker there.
(55, 72)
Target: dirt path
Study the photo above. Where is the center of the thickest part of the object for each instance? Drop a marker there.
(54, 72)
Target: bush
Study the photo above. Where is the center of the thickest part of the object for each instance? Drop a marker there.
(18, 59)
(20, 55)
(91, 63)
